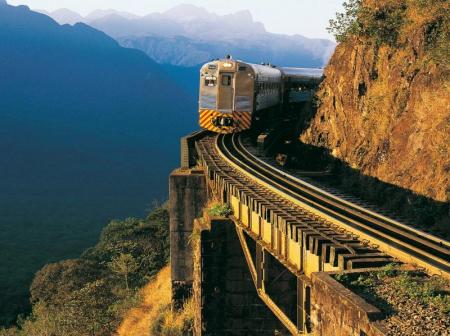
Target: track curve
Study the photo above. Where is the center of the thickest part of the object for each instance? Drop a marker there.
(407, 244)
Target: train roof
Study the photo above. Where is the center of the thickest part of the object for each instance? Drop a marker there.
(269, 72)
(302, 73)
(265, 71)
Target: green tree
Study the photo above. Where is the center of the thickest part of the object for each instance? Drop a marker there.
(84, 297)
(124, 265)
(346, 23)
(147, 240)
(54, 283)
(380, 24)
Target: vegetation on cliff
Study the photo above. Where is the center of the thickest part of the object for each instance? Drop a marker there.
(154, 315)
(81, 122)
(384, 106)
(389, 22)
(89, 295)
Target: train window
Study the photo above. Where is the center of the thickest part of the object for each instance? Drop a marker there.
(226, 80)
(210, 81)
(242, 68)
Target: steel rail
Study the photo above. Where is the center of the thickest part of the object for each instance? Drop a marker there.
(441, 244)
(393, 241)
(331, 238)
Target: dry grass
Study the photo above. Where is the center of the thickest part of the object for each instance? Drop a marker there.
(154, 316)
(137, 322)
(171, 323)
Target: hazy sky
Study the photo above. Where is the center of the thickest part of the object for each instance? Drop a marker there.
(305, 17)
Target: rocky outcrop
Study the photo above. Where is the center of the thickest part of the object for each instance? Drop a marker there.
(385, 110)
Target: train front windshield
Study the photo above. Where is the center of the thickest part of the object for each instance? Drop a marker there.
(208, 90)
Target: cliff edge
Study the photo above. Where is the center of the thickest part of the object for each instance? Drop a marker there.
(384, 106)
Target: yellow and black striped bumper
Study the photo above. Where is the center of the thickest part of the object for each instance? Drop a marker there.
(241, 121)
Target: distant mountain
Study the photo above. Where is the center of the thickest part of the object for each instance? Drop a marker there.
(276, 49)
(187, 12)
(89, 131)
(116, 25)
(187, 35)
(202, 25)
(66, 16)
(100, 13)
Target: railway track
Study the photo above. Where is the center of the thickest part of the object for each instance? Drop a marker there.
(329, 233)
(316, 233)
(363, 227)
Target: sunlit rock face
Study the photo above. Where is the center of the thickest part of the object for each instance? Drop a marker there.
(385, 110)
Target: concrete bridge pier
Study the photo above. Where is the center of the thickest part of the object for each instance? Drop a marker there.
(188, 195)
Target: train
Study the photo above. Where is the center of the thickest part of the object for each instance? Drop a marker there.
(235, 95)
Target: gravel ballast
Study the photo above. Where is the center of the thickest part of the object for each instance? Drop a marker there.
(412, 303)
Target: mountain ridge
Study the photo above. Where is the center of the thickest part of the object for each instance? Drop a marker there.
(188, 35)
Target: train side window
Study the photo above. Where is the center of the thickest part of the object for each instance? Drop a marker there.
(226, 80)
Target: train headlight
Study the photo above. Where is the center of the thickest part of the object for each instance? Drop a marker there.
(222, 121)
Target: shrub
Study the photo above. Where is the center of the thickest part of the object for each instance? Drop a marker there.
(9, 332)
(430, 291)
(342, 277)
(387, 271)
(437, 37)
(174, 323)
(346, 23)
(381, 24)
(220, 210)
(87, 296)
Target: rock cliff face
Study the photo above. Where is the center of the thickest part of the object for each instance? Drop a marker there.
(385, 109)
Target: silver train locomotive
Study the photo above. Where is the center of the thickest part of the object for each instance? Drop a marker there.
(235, 94)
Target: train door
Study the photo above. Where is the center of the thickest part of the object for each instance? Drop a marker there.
(226, 92)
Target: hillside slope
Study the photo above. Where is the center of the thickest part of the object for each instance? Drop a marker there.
(155, 297)
(153, 315)
(385, 103)
(88, 132)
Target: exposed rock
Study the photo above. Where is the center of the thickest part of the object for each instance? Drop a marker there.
(385, 110)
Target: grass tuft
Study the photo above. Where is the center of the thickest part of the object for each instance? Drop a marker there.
(220, 210)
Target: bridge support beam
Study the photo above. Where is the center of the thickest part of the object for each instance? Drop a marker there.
(224, 288)
(187, 197)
